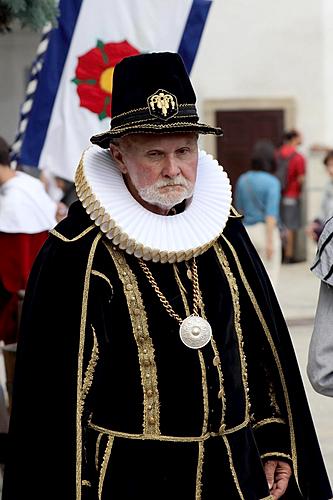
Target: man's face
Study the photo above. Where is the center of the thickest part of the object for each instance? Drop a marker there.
(160, 170)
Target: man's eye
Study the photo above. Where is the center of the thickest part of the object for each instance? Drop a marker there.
(183, 151)
(154, 154)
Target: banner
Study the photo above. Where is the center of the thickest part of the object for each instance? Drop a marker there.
(68, 96)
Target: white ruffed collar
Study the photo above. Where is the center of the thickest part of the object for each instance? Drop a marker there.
(103, 193)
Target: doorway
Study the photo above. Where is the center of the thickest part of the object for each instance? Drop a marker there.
(242, 129)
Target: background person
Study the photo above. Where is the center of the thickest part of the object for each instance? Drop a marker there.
(315, 228)
(27, 213)
(291, 191)
(61, 191)
(320, 357)
(258, 196)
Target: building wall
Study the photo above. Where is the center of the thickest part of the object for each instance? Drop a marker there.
(327, 14)
(17, 51)
(266, 49)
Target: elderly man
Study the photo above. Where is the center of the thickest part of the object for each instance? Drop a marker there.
(168, 368)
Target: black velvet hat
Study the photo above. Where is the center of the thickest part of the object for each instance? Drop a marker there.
(152, 94)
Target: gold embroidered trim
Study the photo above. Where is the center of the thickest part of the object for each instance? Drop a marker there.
(162, 437)
(182, 290)
(273, 454)
(235, 299)
(122, 128)
(144, 109)
(55, 233)
(221, 394)
(146, 353)
(198, 486)
(143, 123)
(276, 358)
(201, 358)
(98, 443)
(204, 392)
(270, 497)
(268, 421)
(101, 275)
(231, 430)
(85, 482)
(80, 365)
(273, 401)
(89, 375)
(203, 371)
(105, 463)
(217, 364)
(115, 233)
(236, 215)
(232, 468)
(153, 437)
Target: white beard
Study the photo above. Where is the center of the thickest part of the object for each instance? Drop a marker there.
(153, 195)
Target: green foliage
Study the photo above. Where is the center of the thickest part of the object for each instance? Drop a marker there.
(33, 14)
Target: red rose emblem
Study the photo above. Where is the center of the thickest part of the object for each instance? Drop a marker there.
(93, 75)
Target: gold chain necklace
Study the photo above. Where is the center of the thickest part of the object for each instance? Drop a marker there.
(195, 332)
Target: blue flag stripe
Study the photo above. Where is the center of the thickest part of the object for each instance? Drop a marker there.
(30, 93)
(49, 79)
(193, 30)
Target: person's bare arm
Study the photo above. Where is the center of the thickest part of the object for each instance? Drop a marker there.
(270, 226)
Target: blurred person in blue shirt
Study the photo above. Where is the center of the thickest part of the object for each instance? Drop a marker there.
(258, 196)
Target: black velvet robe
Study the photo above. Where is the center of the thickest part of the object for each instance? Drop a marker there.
(109, 404)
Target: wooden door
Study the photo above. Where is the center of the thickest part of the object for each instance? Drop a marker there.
(241, 130)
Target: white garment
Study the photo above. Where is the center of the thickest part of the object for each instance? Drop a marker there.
(258, 235)
(326, 205)
(25, 207)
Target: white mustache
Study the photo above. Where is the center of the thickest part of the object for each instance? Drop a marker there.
(179, 181)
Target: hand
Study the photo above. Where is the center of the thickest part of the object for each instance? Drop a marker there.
(277, 474)
(313, 230)
(310, 230)
(62, 210)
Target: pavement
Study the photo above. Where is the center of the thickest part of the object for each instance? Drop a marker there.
(297, 293)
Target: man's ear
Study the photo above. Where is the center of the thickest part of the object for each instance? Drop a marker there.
(118, 157)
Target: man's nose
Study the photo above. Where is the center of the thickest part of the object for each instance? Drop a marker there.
(171, 167)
